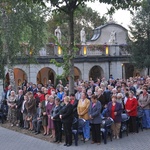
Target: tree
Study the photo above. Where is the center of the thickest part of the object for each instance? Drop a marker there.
(21, 27)
(69, 7)
(140, 30)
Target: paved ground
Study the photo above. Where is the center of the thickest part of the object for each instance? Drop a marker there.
(11, 140)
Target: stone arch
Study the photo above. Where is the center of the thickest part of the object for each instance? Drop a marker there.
(77, 73)
(96, 72)
(19, 76)
(46, 74)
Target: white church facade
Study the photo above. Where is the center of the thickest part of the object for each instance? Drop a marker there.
(104, 55)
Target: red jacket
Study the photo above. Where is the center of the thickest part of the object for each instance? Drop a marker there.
(50, 91)
(132, 106)
(42, 97)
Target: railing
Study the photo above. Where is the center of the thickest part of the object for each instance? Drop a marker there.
(94, 52)
(84, 50)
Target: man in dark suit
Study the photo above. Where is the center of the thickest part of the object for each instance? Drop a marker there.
(34, 87)
(107, 95)
(37, 121)
(29, 87)
(92, 86)
(7, 94)
(19, 106)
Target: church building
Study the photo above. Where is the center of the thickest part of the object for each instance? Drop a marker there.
(103, 55)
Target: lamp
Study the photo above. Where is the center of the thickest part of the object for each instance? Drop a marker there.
(107, 50)
(84, 50)
(30, 53)
(59, 50)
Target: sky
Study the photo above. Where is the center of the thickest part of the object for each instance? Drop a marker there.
(121, 17)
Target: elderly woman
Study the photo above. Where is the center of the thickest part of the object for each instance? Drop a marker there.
(30, 105)
(89, 94)
(101, 98)
(114, 111)
(82, 109)
(12, 110)
(144, 103)
(131, 108)
(49, 107)
(66, 115)
(120, 99)
(95, 119)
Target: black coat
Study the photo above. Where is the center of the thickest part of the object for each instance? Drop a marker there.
(75, 104)
(8, 94)
(102, 100)
(20, 102)
(67, 113)
(107, 95)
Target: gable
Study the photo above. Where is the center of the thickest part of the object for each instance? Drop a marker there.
(103, 35)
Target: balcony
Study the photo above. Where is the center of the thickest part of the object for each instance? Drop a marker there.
(54, 50)
(51, 51)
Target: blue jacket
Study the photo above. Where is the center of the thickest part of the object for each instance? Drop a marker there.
(95, 112)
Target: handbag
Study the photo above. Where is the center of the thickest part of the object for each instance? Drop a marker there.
(29, 118)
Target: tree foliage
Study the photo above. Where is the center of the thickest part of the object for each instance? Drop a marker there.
(140, 30)
(21, 27)
(122, 4)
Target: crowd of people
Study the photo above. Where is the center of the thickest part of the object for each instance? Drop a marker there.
(45, 108)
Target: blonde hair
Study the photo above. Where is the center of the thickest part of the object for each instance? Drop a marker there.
(120, 95)
(67, 99)
(100, 89)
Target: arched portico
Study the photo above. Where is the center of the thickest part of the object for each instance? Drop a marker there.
(77, 73)
(96, 72)
(19, 77)
(46, 74)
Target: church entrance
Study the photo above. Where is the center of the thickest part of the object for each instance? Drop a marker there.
(44, 75)
(19, 77)
(96, 72)
(77, 73)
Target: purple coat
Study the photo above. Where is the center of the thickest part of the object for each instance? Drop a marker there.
(118, 109)
(48, 112)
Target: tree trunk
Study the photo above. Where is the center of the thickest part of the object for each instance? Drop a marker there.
(11, 76)
(71, 45)
(7, 51)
